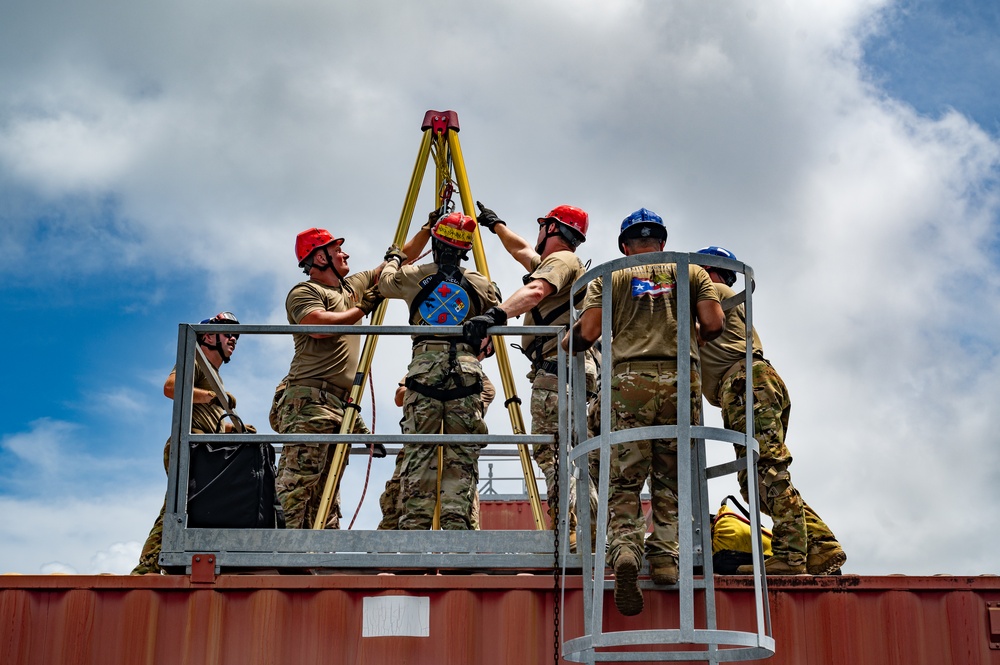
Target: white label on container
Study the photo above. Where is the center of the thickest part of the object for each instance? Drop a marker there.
(396, 616)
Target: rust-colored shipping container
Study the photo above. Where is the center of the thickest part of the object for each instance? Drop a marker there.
(487, 619)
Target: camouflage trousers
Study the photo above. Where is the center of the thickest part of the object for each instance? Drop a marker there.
(545, 420)
(420, 481)
(304, 468)
(797, 528)
(149, 558)
(645, 394)
(391, 501)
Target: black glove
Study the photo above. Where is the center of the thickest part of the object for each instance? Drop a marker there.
(395, 254)
(370, 299)
(474, 330)
(378, 450)
(488, 218)
(432, 218)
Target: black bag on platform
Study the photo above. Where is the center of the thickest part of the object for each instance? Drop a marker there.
(232, 487)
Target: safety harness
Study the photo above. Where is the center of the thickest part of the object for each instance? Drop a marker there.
(446, 298)
(534, 350)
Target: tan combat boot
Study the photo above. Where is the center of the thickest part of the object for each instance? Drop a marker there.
(775, 566)
(825, 558)
(628, 595)
(663, 570)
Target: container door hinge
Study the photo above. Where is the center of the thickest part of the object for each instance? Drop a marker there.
(993, 614)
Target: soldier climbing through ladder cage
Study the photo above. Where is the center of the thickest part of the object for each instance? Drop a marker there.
(644, 382)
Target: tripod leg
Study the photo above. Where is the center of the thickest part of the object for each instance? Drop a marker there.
(503, 360)
(436, 522)
(368, 351)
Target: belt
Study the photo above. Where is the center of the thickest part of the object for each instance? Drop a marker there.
(443, 344)
(340, 393)
(552, 367)
(646, 365)
(738, 365)
(547, 366)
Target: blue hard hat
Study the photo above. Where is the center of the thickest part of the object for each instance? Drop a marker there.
(715, 250)
(728, 276)
(642, 223)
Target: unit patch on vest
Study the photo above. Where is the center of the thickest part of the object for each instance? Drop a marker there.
(656, 285)
(446, 305)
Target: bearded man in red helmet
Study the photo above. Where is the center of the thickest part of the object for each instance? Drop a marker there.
(312, 397)
(552, 267)
(444, 381)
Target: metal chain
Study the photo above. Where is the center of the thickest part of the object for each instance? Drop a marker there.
(443, 165)
(557, 569)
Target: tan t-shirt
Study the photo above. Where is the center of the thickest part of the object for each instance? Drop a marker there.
(205, 418)
(727, 349)
(407, 282)
(560, 269)
(332, 359)
(644, 310)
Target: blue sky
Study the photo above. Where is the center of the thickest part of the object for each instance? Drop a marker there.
(155, 166)
(936, 55)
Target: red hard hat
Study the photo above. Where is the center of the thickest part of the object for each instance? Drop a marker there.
(569, 216)
(310, 240)
(455, 229)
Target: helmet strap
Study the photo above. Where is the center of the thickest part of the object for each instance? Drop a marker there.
(568, 235)
(446, 255)
(549, 233)
(217, 347)
(329, 266)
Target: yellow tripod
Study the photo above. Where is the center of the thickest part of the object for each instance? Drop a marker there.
(440, 138)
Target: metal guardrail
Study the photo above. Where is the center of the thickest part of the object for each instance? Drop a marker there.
(340, 549)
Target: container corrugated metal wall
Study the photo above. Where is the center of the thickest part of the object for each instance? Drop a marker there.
(291, 619)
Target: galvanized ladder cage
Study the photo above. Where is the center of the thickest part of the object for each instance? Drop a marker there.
(697, 637)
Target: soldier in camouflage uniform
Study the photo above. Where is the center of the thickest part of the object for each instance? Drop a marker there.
(391, 502)
(643, 388)
(552, 267)
(312, 397)
(444, 378)
(206, 418)
(801, 541)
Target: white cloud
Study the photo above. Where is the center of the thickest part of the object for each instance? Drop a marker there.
(42, 446)
(124, 403)
(85, 535)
